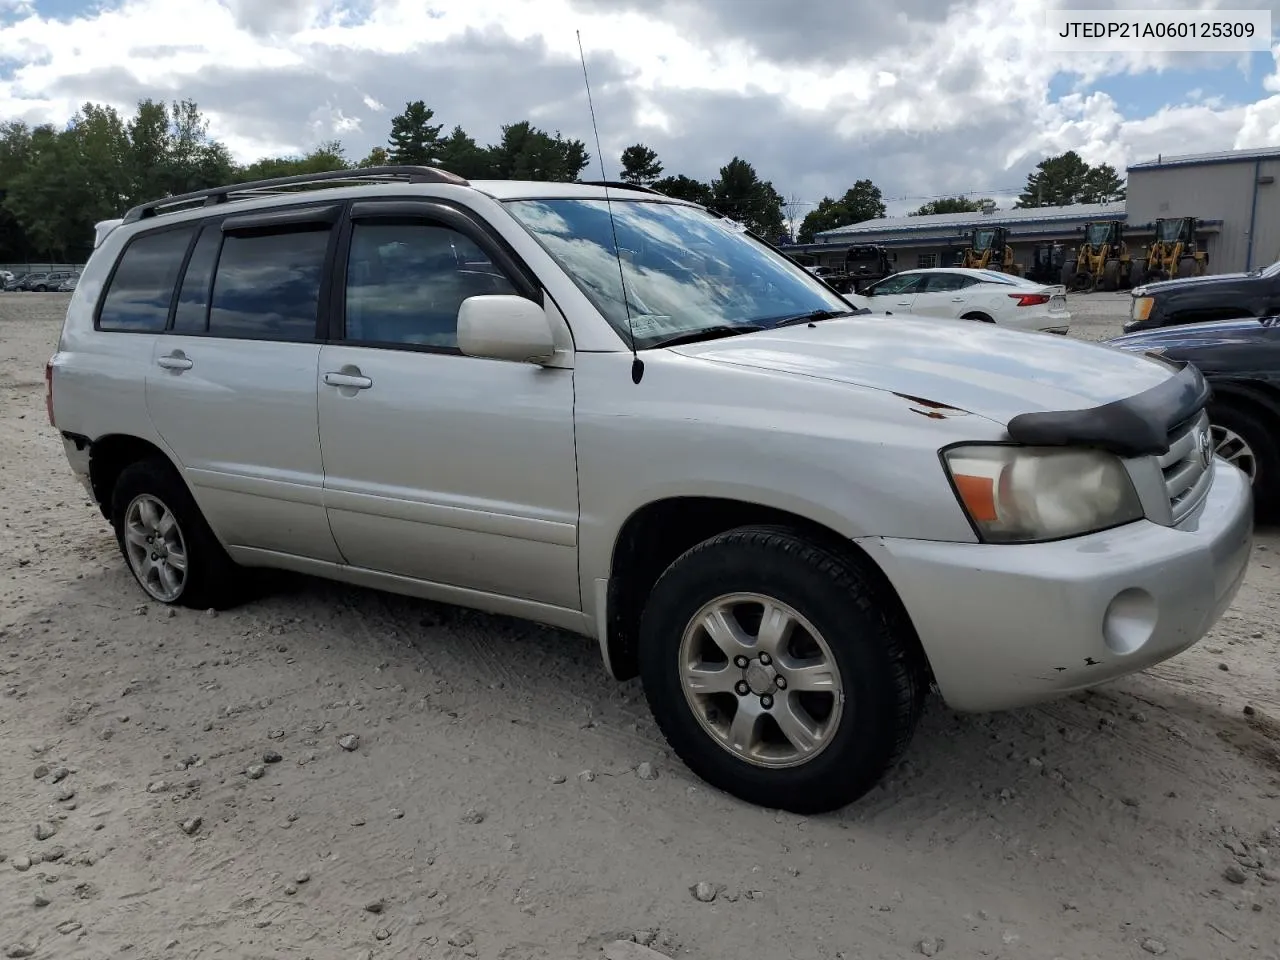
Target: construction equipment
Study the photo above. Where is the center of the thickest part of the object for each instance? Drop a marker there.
(1174, 252)
(1047, 261)
(989, 250)
(1102, 261)
(864, 264)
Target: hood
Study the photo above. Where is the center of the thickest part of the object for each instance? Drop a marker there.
(983, 369)
(1181, 283)
(1242, 330)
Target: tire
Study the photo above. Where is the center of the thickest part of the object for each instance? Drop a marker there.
(977, 317)
(211, 578)
(1233, 423)
(1138, 273)
(1069, 274)
(880, 687)
(40, 289)
(1186, 266)
(1111, 275)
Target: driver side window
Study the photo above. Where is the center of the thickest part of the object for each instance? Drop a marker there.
(406, 282)
(903, 283)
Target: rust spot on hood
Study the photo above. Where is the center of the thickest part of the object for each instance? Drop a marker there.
(933, 409)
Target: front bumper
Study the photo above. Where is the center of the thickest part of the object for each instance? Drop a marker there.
(1009, 625)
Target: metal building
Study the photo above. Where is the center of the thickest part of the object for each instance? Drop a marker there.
(934, 239)
(1233, 193)
(1236, 187)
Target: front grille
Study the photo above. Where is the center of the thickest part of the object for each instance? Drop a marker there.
(1187, 475)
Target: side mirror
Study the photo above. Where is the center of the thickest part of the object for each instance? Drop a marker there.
(504, 327)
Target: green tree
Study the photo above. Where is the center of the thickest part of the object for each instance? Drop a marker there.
(196, 161)
(740, 193)
(414, 138)
(948, 205)
(640, 165)
(16, 153)
(320, 159)
(527, 153)
(460, 154)
(378, 157)
(681, 187)
(862, 201)
(1066, 179)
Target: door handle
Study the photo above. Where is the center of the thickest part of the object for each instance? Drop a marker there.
(174, 361)
(957, 299)
(351, 380)
(904, 303)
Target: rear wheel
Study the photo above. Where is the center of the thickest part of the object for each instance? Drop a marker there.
(1069, 274)
(1186, 266)
(1245, 437)
(978, 317)
(778, 671)
(170, 549)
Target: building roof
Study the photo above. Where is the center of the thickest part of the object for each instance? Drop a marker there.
(1205, 159)
(1074, 213)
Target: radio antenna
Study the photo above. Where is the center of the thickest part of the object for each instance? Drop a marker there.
(637, 365)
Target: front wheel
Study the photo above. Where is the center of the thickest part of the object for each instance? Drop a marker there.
(1246, 438)
(778, 671)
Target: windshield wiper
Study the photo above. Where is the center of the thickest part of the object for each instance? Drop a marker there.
(814, 315)
(708, 333)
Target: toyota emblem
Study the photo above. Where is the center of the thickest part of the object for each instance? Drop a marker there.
(1206, 449)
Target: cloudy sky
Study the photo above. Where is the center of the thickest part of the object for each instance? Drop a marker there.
(925, 97)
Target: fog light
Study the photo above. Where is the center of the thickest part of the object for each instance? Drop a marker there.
(1129, 621)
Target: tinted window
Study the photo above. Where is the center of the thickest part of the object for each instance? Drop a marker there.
(267, 285)
(192, 313)
(142, 287)
(405, 283)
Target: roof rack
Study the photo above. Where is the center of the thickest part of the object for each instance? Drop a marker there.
(621, 185)
(258, 188)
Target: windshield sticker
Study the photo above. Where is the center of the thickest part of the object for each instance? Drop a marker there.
(651, 324)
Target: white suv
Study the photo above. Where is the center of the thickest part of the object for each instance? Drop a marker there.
(620, 414)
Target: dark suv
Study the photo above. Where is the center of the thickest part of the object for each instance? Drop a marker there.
(1223, 296)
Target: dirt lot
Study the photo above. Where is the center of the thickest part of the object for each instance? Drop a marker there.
(493, 809)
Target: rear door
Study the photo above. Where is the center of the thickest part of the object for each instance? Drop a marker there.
(232, 386)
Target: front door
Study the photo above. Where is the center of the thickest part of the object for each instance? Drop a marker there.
(894, 294)
(440, 467)
(232, 385)
(944, 295)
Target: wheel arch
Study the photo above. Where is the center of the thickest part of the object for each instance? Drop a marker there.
(1261, 395)
(660, 531)
(108, 457)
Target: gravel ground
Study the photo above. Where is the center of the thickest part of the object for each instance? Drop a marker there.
(333, 773)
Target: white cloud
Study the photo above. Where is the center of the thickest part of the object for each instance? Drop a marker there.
(938, 98)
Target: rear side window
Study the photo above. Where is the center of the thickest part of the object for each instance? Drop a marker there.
(192, 313)
(267, 285)
(141, 289)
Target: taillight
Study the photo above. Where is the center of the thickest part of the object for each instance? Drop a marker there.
(48, 391)
(1030, 299)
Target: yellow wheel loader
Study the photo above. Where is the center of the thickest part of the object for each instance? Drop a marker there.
(1175, 251)
(1103, 260)
(989, 250)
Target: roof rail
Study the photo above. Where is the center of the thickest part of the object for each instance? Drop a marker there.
(257, 188)
(621, 185)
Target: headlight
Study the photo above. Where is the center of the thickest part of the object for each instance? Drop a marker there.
(1025, 494)
(1140, 309)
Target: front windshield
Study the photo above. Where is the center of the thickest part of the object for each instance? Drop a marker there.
(685, 270)
(1098, 234)
(1169, 231)
(983, 239)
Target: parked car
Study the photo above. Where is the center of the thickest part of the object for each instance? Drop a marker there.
(68, 285)
(1222, 296)
(48, 281)
(788, 517)
(1241, 360)
(5, 277)
(967, 294)
(15, 283)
